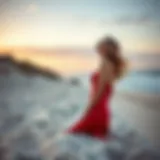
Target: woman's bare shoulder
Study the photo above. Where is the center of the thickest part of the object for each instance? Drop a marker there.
(107, 70)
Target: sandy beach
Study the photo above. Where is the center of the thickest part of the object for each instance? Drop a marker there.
(141, 111)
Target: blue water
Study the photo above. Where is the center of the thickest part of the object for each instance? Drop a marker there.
(141, 81)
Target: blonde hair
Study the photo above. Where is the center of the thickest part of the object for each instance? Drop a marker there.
(113, 54)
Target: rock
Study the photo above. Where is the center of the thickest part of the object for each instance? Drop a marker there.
(75, 81)
(4, 149)
(144, 154)
(115, 150)
(26, 157)
(8, 64)
(66, 156)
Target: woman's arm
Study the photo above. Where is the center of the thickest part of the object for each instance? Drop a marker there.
(106, 75)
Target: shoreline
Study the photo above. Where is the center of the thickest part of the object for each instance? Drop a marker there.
(141, 112)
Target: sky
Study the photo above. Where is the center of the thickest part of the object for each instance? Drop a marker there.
(80, 23)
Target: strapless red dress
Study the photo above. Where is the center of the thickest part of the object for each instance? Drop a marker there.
(96, 122)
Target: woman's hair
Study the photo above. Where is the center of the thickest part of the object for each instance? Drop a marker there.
(113, 54)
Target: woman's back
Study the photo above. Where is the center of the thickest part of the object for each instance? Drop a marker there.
(107, 90)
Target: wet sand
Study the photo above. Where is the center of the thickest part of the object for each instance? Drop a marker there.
(141, 111)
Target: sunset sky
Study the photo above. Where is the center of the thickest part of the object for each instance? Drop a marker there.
(79, 23)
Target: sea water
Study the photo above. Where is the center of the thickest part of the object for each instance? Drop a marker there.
(134, 81)
(141, 81)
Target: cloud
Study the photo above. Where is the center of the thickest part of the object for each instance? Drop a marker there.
(143, 19)
(32, 8)
(138, 20)
(129, 20)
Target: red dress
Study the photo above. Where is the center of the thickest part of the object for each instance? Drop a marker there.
(96, 121)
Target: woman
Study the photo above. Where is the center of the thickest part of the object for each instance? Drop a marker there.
(96, 121)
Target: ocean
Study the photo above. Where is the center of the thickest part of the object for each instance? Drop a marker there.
(141, 81)
(134, 81)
